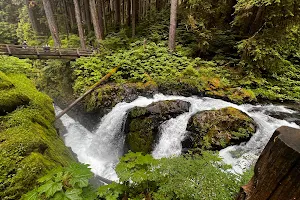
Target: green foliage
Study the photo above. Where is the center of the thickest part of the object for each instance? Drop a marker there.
(64, 183)
(272, 45)
(24, 30)
(67, 41)
(7, 33)
(185, 177)
(135, 65)
(13, 65)
(54, 78)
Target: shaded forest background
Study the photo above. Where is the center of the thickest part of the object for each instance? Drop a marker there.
(252, 46)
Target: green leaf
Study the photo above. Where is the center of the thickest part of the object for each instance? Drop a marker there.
(32, 195)
(74, 194)
(50, 175)
(50, 188)
(60, 196)
(80, 175)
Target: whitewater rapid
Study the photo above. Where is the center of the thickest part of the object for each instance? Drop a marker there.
(102, 148)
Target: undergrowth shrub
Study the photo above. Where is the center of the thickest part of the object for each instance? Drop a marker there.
(67, 183)
(184, 177)
(136, 65)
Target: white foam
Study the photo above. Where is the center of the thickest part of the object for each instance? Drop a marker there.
(102, 148)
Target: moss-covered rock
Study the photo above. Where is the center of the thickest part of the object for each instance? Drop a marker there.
(143, 122)
(109, 95)
(29, 143)
(217, 129)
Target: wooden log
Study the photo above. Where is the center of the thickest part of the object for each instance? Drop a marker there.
(277, 171)
(87, 92)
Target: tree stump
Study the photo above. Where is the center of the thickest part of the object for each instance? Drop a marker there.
(277, 171)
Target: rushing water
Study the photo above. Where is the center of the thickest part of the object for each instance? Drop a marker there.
(102, 148)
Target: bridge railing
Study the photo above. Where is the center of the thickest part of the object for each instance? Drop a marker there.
(23, 50)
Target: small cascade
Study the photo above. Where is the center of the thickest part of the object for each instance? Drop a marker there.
(102, 148)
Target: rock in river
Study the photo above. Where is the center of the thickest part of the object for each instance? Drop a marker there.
(142, 123)
(217, 129)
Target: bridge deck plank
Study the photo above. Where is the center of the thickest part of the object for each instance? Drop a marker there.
(38, 52)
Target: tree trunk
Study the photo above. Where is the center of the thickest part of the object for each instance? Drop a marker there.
(66, 20)
(258, 21)
(104, 16)
(95, 20)
(123, 12)
(117, 14)
(277, 171)
(128, 12)
(100, 11)
(79, 24)
(82, 11)
(133, 17)
(87, 15)
(31, 17)
(137, 14)
(173, 21)
(158, 5)
(71, 16)
(51, 22)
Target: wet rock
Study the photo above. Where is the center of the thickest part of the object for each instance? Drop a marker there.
(217, 129)
(142, 123)
(107, 96)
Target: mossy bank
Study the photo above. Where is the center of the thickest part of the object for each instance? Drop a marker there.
(29, 143)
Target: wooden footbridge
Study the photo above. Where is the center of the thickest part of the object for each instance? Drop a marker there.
(21, 51)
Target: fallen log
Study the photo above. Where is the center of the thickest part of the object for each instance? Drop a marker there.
(277, 171)
(104, 78)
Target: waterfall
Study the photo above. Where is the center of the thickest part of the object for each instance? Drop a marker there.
(102, 148)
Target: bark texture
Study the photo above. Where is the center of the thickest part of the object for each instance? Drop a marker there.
(101, 14)
(133, 17)
(31, 17)
(173, 21)
(95, 20)
(79, 24)
(51, 22)
(277, 171)
(117, 14)
(87, 15)
(128, 12)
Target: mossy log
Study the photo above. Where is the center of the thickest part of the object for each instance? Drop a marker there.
(277, 171)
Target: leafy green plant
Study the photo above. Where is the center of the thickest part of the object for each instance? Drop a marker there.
(13, 65)
(135, 65)
(184, 177)
(64, 183)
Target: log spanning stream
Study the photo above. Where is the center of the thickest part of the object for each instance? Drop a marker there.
(102, 148)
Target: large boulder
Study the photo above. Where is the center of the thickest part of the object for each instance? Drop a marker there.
(217, 129)
(142, 123)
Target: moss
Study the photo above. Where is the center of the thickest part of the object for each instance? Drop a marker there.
(217, 129)
(11, 100)
(109, 95)
(240, 95)
(5, 83)
(140, 137)
(29, 143)
(137, 111)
